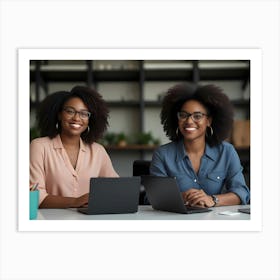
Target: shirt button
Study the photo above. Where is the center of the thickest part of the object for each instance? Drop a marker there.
(194, 180)
(75, 189)
(218, 177)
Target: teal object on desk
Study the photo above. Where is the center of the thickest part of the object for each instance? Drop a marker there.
(33, 204)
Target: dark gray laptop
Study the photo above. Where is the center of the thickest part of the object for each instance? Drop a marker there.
(163, 193)
(113, 196)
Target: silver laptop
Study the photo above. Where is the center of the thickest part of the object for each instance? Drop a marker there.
(113, 196)
(163, 193)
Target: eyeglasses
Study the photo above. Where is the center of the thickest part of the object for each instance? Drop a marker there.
(82, 114)
(196, 116)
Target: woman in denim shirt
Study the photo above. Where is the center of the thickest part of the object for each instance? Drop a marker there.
(208, 171)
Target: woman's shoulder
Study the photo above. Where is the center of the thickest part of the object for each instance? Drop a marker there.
(97, 150)
(41, 145)
(168, 148)
(41, 141)
(225, 147)
(96, 147)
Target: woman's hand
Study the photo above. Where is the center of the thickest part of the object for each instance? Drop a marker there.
(195, 197)
(81, 201)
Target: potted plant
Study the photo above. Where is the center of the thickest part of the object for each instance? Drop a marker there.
(121, 139)
(144, 138)
(110, 138)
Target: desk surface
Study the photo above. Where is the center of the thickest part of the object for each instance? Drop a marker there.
(144, 213)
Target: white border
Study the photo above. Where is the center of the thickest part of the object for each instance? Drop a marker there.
(24, 57)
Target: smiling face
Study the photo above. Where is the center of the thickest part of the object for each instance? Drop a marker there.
(193, 121)
(74, 117)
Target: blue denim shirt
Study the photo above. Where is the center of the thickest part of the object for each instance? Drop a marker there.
(220, 169)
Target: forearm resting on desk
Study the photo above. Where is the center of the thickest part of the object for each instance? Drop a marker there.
(195, 197)
(228, 199)
(54, 201)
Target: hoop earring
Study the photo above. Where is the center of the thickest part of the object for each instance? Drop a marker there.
(211, 131)
(88, 129)
(56, 126)
(177, 131)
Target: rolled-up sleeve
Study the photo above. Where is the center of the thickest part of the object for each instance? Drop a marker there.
(235, 180)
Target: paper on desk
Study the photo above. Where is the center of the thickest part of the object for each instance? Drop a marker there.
(229, 213)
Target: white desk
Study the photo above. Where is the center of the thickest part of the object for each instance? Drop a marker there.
(144, 213)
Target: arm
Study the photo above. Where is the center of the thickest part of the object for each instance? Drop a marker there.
(195, 197)
(53, 201)
(236, 190)
(37, 169)
(228, 199)
(235, 182)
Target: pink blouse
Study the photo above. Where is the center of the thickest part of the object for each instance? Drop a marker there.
(50, 166)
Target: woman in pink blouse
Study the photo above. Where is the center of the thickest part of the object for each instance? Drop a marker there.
(64, 159)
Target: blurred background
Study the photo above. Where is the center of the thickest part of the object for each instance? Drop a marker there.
(134, 90)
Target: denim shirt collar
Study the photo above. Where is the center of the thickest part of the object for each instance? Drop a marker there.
(210, 152)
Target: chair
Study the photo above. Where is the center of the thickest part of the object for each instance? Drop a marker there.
(142, 167)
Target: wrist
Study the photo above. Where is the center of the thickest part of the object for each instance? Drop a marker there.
(215, 200)
(74, 202)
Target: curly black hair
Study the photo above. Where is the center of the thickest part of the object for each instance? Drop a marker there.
(212, 97)
(52, 105)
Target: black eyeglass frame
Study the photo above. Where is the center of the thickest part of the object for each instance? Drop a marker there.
(74, 112)
(187, 115)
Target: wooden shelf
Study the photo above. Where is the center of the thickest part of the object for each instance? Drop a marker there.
(152, 104)
(168, 75)
(116, 104)
(218, 71)
(224, 70)
(131, 148)
(116, 75)
(223, 74)
(80, 73)
(155, 103)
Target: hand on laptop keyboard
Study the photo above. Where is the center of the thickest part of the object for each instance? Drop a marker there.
(198, 198)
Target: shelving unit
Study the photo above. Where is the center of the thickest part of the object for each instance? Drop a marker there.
(133, 90)
(134, 147)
